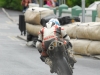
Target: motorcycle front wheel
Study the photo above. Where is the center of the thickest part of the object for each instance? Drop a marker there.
(63, 67)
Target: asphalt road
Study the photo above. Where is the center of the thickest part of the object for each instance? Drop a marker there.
(16, 58)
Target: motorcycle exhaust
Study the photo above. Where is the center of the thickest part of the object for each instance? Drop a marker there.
(51, 47)
(60, 43)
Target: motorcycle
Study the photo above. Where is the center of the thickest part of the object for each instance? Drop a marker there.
(59, 57)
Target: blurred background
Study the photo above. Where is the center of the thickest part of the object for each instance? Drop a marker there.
(16, 4)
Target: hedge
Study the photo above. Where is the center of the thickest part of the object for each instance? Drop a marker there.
(16, 4)
(72, 3)
(11, 4)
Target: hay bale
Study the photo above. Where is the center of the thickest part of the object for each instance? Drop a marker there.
(80, 46)
(71, 29)
(94, 48)
(33, 29)
(33, 15)
(86, 47)
(88, 30)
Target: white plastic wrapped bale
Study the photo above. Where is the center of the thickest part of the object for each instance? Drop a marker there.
(86, 47)
(33, 29)
(33, 15)
(90, 30)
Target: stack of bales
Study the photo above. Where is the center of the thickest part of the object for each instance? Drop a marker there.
(85, 37)
(33, 16)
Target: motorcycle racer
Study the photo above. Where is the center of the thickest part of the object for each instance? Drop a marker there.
(53, 30)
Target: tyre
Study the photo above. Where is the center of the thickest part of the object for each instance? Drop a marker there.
(63, 67)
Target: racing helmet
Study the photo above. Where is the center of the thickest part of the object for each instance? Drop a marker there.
(54, 20)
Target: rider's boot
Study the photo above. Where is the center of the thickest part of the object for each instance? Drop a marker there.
(49, 62)
(43, 55)
(43, 58)
(72, 60)
(70, 53)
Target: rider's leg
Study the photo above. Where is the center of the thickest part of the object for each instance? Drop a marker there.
(48, 61)
(39, 46)
(41, 51)
(71, 54)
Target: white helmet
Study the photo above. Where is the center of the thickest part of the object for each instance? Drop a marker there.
(55, 21)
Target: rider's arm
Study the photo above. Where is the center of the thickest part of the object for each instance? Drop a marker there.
(64, 34)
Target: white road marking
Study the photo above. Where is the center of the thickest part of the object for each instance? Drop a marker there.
(13, 38)
(23, 44)
(9, 22)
